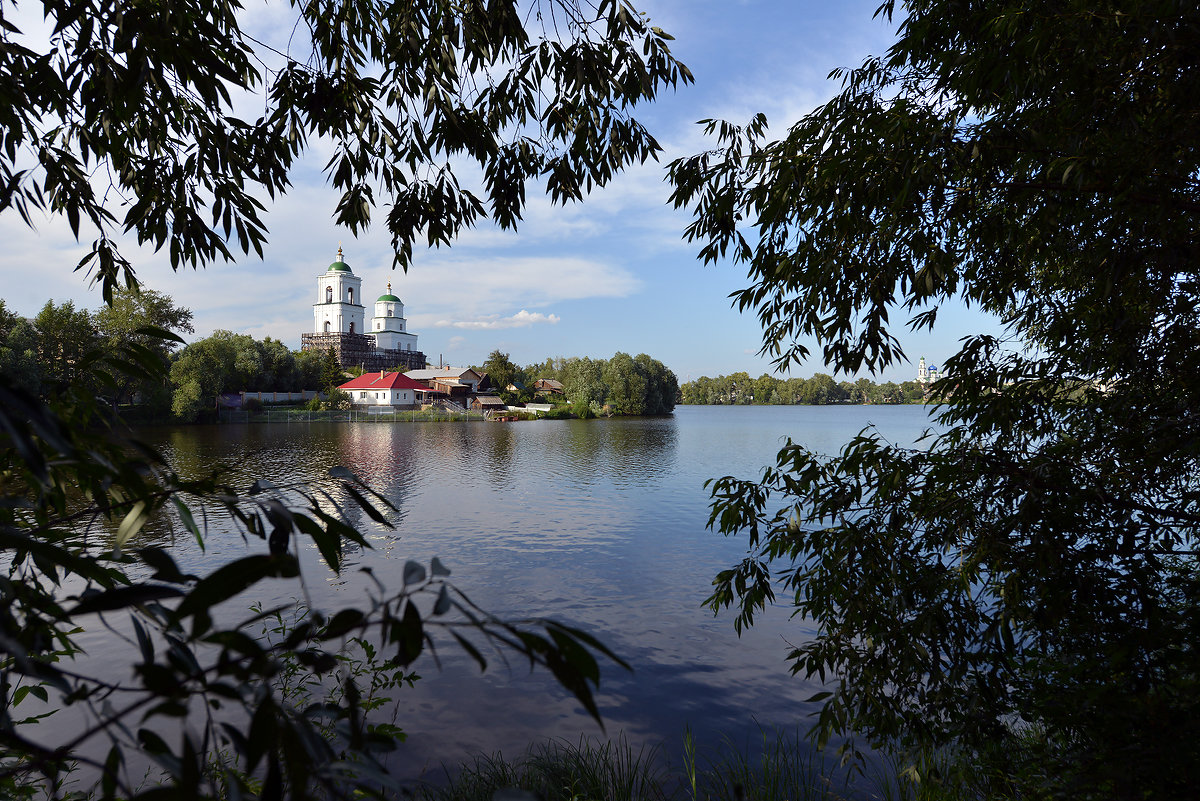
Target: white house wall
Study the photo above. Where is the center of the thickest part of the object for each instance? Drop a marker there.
(383, 397)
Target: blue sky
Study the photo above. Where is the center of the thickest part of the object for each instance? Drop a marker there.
(610, 274)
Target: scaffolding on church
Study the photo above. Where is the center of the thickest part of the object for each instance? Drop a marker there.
(358, 350)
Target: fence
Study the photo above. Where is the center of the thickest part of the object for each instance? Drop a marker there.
(280, 397)
(363, 415)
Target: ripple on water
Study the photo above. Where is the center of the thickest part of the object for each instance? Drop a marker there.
(599, 523)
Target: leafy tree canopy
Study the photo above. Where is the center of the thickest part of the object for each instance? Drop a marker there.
(624, 384)
(19, 365)
(127, 119)
(66, 338)
(131, 328)
(502, 373)
(1024, 591)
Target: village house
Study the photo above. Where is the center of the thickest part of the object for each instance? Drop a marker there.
(487, 403)
(456, 383)
(547, 386)
(384, 389)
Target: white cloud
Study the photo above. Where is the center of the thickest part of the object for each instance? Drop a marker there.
(522, 319)
(445, 287)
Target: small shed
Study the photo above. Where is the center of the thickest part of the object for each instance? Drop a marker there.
(487, 403)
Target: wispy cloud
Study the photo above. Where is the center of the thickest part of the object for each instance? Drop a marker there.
(522, 319)
(445, 287)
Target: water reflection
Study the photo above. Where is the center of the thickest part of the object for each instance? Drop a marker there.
(598, 523)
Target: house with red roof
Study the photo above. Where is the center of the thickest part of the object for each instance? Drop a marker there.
(382, 388)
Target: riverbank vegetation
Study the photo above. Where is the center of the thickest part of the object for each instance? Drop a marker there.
(820, 390)
(62, 345)
(67, 346)
(780, 765)
(622, 385)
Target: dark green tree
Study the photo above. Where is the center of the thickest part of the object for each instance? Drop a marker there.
(122, 327)
(279, 366)
(66, 342)
(19, 365)
(332, 374)
(1025, 591)
(503, 373)
(662, 388)
(583, 382)
(209, 367)
(626, 385)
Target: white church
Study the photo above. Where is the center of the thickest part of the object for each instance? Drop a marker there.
(927, 374)
(339, 324)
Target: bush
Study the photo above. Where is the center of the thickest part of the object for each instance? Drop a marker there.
(337, 399)
(582, 409)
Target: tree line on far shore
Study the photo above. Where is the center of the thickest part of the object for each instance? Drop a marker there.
(65, 345)
(622, 385)
(819, 390)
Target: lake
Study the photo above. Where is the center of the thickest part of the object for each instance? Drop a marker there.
(598, 523)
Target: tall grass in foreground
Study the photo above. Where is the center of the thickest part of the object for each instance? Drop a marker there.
(613, 771)
(561, 771)
(784, 769)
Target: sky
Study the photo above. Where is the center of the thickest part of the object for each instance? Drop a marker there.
(613, 273)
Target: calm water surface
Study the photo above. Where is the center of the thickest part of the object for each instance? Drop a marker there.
(598, 523)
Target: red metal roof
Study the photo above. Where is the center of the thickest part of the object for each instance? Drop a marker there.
(383, 380)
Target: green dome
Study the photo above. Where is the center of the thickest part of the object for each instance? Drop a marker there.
(388, 298)
(340, 267)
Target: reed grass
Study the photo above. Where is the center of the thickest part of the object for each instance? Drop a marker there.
(784, 770)
(561, 771)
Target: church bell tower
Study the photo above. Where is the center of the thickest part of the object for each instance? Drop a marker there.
(339, 308)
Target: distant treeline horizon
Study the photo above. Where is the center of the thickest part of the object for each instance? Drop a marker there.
(739, 389)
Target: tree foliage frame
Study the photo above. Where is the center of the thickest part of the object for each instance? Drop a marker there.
(1020, 588)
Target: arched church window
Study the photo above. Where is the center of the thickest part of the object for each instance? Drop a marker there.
(326, 326)
(389, 312)
(329, 294)
(350, 295)
(378, 326)
(351, 328)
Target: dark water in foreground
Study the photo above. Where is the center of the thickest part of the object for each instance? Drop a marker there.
(598, 523)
